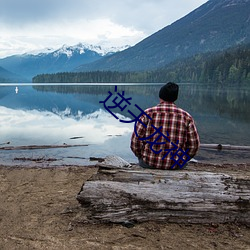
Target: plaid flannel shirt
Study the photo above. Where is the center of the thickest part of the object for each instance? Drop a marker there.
(177, 125)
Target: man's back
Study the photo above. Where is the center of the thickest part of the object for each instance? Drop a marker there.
(161, 140)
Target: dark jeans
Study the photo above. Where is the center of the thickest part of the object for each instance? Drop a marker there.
(145, 165)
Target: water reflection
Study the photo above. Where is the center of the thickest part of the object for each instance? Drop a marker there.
(229, 101)
(52, 114)
(29, 127)
(224, 101)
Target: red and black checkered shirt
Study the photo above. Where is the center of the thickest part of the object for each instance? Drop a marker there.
(178, 131)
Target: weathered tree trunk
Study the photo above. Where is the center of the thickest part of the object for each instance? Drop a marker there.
(119, 195)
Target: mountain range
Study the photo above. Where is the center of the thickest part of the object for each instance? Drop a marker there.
(7, 76)
(214, 26)
(64, 59)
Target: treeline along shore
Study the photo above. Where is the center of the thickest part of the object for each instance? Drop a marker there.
(231, 66)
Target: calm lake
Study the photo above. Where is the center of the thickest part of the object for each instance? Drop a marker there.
(72, 114)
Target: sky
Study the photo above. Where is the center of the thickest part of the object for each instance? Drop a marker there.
(32, 25)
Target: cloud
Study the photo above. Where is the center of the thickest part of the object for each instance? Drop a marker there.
(30, 24)
(38, 36)
(22, 12)
(142, 14)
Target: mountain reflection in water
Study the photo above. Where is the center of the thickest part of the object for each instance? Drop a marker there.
(72, 114)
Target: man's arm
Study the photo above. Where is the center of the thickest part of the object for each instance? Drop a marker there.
(193, 140)
(136, 144)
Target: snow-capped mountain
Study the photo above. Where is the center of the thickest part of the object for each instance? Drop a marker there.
(81, 48)
(49, 60)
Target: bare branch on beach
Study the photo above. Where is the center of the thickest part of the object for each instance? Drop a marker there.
(37, 160)
(5, 143)
(29, 147)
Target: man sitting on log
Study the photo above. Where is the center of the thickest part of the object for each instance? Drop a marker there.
(165, 136)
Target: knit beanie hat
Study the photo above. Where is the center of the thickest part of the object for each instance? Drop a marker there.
(169, 92)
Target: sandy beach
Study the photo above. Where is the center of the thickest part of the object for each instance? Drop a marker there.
(39, 210)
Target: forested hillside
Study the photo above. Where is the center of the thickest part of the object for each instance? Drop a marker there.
(229, 66)
(214, 26)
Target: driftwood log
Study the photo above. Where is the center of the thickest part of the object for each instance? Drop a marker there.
(224, 147)
(136, 195)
